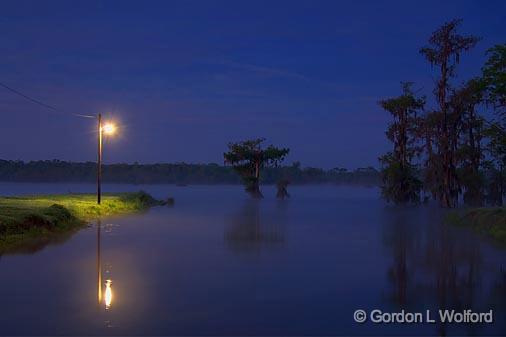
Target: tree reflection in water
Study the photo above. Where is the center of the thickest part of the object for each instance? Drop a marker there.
(249, 231)
(436, 266)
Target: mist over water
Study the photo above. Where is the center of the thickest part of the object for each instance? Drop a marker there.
(220, 263)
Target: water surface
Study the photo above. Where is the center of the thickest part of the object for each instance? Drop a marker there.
(218, 263)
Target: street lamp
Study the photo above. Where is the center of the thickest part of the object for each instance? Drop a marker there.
(107, 129)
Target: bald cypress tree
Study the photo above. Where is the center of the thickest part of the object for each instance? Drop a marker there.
(401, 183)
(248, 158)
(444, 51)
(467, 137)
(494, 81)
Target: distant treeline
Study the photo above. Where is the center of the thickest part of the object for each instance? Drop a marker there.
(178, 173)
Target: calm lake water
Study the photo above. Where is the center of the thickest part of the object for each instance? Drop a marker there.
(218, 263)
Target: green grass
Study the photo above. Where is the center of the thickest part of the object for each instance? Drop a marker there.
(29, 217)
(488, 220)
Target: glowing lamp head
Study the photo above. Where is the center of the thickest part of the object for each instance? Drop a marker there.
(109, 128)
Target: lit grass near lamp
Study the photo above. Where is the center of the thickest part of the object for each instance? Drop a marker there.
(35, 216)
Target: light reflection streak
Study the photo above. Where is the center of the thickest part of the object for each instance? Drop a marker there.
(99, 264)
(108, 294)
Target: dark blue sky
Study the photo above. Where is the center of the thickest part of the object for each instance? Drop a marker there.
(184, 78)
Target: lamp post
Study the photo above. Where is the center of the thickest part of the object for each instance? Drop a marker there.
(108, 129)
(99, 161)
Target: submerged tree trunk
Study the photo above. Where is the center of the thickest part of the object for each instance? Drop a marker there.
(253, 189)
(282, 189)
(253, 186)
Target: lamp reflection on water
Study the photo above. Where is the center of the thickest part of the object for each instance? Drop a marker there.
(108, 283)
(108, 294)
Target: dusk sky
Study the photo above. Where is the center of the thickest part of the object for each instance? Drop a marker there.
(185, 78)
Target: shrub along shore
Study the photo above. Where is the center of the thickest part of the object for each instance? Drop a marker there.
(488, 220)
(29, 217)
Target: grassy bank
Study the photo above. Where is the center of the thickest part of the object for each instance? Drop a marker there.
(491, 221)
(31, 217)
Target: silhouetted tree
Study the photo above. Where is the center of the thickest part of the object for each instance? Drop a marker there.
(400, 181)
(427, 132)
(248, 158)
(466, 139)
(494, 79)
(496, 148)
(444, 51)
(463, 154)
